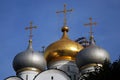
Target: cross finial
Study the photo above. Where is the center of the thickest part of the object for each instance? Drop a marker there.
(30, 28)
(65, 12)
(90, 24)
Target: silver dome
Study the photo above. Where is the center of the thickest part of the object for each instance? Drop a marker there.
(29, 58)
(92, 54)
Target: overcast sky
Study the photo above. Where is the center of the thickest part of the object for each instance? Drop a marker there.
(15, 15)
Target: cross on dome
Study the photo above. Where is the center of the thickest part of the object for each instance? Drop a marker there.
(30, 28)
(90, 25)
(65, 12)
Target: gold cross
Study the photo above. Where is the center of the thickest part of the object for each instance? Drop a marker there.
(30, 28)
(90, 24)
(65, 12)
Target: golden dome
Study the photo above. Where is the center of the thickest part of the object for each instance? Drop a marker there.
(63, 49)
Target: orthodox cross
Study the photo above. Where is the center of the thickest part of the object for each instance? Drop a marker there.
(65, 12)
(90, 24)
(30, 28)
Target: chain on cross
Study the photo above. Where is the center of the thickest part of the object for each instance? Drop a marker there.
(90, 24)
(65, 12)
(30, 28)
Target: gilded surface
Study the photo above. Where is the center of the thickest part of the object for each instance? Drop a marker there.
(91, 65)
(62, 49)
(28, 69)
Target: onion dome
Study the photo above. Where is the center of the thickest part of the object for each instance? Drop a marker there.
(92, 55)
(63, 49)
(29, 60)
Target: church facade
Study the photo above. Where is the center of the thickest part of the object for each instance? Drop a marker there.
(64, 59)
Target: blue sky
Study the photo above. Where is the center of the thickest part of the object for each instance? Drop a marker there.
(15, 15)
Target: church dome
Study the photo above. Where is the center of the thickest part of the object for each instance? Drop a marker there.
(63, 49)
(29, 60)
(92, 55)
